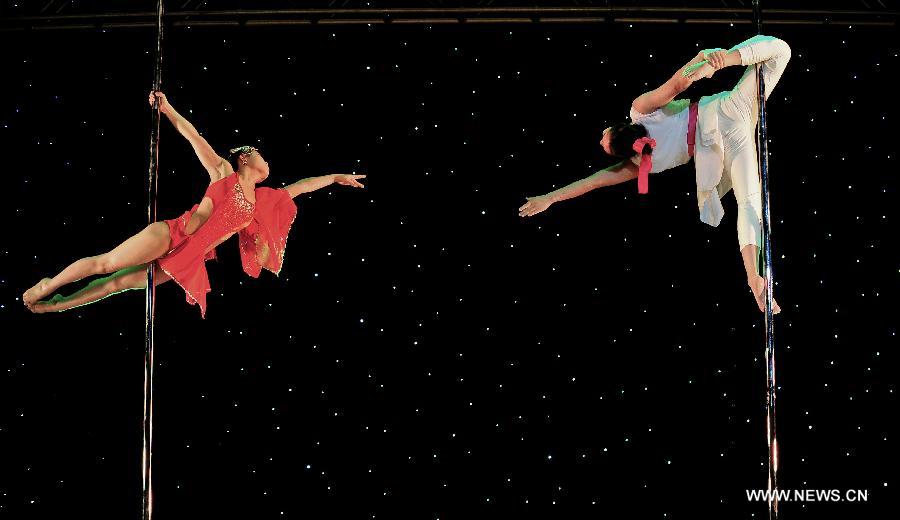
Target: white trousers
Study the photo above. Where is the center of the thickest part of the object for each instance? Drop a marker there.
(738, 115)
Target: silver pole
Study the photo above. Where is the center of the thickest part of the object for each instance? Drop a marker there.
(151, 289)
(767, 263)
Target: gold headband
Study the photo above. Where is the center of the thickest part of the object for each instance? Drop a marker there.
(242, 149)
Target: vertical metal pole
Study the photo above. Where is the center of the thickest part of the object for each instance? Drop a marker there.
(767, 263)
(147, 501)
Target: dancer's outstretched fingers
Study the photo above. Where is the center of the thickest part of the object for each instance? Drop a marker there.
(525, 210)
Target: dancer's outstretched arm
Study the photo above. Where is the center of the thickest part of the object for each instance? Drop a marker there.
(316, 183)
(615, 174)
(703, 65)
(679, 82)
(216, 166)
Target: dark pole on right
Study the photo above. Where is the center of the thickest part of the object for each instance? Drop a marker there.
(767, 266)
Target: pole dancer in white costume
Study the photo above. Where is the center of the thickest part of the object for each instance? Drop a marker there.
(717, 131)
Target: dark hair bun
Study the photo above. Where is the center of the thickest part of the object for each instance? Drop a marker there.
(623, 138)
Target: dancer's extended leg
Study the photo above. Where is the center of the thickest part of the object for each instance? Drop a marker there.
(123, 280)
(741, 108)
(141, 248)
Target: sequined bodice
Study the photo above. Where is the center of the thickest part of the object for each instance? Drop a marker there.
(231, 211)
(262, 227)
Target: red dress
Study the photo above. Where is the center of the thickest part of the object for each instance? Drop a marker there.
(262, 243)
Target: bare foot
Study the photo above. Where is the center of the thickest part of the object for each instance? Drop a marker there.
(758, 288)
(46, 306)
(35, 293)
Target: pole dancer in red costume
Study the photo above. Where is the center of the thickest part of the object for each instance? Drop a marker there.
(179, 248)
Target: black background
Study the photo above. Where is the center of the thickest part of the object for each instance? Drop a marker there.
(425, 352)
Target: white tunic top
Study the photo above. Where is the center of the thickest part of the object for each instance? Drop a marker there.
(668, 125)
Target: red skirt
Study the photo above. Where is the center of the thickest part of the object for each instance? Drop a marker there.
(186, 262)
